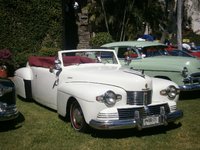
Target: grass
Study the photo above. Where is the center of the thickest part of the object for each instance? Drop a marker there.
(39, 128)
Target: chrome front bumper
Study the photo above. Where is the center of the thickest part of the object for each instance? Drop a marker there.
(8, 112)
(191, 83)
(164, 119)
(191, 87)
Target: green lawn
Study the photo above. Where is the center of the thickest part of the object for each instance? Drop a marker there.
(39, 128)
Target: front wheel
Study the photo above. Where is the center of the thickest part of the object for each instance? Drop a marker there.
(77, 118)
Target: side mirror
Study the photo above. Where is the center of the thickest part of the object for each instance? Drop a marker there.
(56, 68)
(51, 69)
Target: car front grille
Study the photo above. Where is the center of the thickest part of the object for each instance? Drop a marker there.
(129, 113)
(139, 97)
(193, 79)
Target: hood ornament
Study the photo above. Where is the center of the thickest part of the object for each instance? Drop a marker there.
(146, 87)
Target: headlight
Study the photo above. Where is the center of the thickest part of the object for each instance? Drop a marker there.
(171, 92)
(109, 98)
(2, 107)
(185, 72)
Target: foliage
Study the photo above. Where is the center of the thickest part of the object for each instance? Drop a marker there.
(7, 61)
(5, 56)
(192, 36)
(21, 57)
(30, 25)
(100, 39)
(16, 58)
(48, 52)
(126, 19)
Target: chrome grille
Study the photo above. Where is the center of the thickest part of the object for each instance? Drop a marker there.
(128, 113)
(193, 79)
(156, 109)
(139, 97)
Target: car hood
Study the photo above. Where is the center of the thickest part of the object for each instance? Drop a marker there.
(173, 63)
(127, 79)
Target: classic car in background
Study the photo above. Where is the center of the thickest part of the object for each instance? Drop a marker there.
(177, 52)
(8, 109)
(173, 50)
(193, 52)
(155, 61)
(90, 87)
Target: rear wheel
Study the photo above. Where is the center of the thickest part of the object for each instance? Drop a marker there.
(77, 118)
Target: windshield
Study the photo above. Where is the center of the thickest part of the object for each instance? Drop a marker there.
(179, 53)
(153, 51)
(86, 57)
(135, 53)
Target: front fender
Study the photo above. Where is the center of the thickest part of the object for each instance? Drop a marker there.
(85, 94)
(161, 84)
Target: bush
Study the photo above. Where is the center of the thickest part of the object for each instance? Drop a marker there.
(20, 58)
(48, 52)
(17, 58)
(192, 36)
(100, 39)
(5, 56)
(6, 61)
(30, 25)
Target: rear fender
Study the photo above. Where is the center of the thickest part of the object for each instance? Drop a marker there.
(22, 80)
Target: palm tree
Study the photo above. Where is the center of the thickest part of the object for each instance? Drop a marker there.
(105, 18)
(125, 19)
(179, 23)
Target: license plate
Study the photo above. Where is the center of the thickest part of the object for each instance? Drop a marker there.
(151, 120)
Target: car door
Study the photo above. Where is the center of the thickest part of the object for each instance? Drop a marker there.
(44, 89)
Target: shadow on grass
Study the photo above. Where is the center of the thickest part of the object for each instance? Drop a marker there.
(189, 95)
(35, 102)
(25, 99)
(118, 134)
(12, 124)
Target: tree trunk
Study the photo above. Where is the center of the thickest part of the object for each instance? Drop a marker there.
(179, 23)
(105, 17)
(123, 24)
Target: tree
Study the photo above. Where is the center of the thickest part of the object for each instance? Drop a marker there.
(105, 17)
(179, 24)
(125, 19)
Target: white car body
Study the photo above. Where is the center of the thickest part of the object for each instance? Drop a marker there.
(79, 90)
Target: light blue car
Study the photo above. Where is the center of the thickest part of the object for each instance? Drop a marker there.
(155, 61)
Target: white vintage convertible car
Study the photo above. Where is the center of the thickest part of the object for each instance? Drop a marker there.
(90, 87)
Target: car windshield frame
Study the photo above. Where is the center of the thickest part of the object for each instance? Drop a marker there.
(88, 56)
(153, 51)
